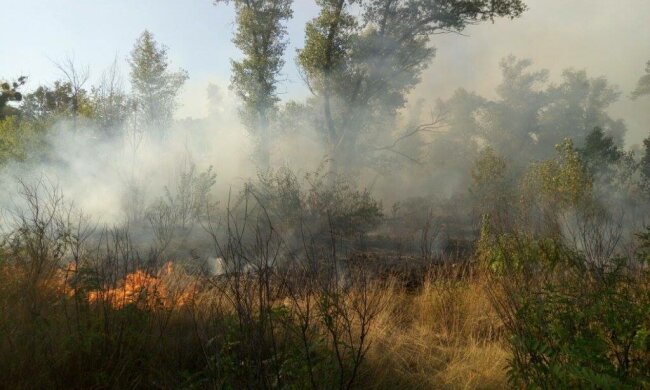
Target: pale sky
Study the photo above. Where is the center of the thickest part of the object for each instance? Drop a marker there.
(605, 37)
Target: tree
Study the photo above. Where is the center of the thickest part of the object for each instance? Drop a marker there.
(361, 68)
(642, 89)
(600, 152)
(529, 116)
(154, 86)
(18, 134)
(21, 140)
(578, 105)
(644, 165)
(643, 85)
(58, 101)
(492, 188)
(261, 38)
(111, 106)
(9, 93)
(555, 186)
(76, 79)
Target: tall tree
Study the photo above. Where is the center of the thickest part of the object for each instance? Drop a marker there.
(154, 86)
(360, 69)
(644, 164)
(600, 154)
(323, 62)
(642, 89)
(261, 34)
(600, 148)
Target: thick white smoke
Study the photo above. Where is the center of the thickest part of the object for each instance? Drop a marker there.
(99, 174)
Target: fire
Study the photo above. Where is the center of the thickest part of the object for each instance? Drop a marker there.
(166, 289)
(146, 291)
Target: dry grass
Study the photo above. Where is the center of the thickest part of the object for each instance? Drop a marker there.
(445, 336)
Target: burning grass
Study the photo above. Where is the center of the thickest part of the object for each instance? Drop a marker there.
(89, 311)
(162, 290)
(171, 328)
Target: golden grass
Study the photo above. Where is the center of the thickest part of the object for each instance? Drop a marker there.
(445, 336)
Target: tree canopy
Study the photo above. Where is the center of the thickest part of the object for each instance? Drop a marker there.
(9, 93)
(261, 37)
(360, 68)
(154, 86)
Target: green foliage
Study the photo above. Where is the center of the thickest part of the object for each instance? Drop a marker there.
(600, 150)
(643, 251)
(530, 234)
(21, 138)
(492, 188)
(489, 171)
(570, 323)
(10, 145)
(644, 165)
(559, 183)
(362, 67)
(327, 207)
(582, 332)
(342, 210)
(391, 49)
(261, 37)
(236, 352)
(110, 105)
(328, 39)
(9, 93)
(506, 253)
(579, 104)
(547, 192)
(154, 86)
(56, 102)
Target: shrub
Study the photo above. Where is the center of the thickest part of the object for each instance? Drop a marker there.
(574, 326)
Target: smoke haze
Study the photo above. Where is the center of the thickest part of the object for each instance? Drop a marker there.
(598, 36)
(605, 38)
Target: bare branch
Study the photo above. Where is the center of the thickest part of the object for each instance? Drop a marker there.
(436, 125)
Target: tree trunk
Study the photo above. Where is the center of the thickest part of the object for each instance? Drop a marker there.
(264, 148)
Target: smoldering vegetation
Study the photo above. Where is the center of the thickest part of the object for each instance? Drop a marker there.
(353, 239)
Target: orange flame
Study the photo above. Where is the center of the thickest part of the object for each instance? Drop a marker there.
(166, 289)
(145, 290)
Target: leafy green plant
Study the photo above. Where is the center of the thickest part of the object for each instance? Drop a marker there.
(578, 327)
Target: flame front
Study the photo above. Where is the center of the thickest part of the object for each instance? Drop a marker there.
(146, 291)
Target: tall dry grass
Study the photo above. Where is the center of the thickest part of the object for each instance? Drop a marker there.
(444, 336)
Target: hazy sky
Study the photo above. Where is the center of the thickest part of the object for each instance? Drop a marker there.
(605, 37)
